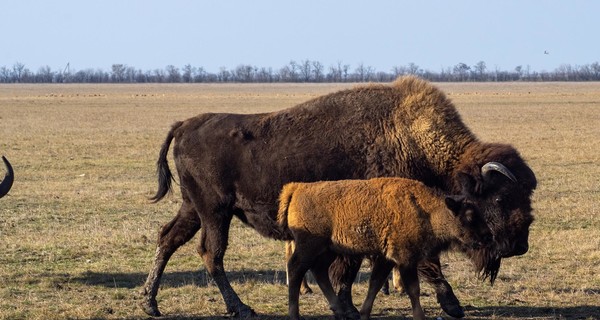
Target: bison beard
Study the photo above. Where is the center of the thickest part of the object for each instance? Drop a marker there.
(235, 165)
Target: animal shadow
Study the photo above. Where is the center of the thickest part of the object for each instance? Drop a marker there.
(184, 278)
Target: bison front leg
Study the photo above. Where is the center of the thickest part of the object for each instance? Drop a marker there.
(342, 273)
(212, 247)
(431, 271)
(172, 236)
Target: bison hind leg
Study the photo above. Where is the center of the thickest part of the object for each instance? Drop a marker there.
(171, 236)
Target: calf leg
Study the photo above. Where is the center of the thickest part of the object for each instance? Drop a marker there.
(296, 270)
(379, 274)
(172, 235)
(397, 280)
(431, 271)
(410, 279)
(289, 250)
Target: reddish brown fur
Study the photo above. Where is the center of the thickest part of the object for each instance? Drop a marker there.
(235, 165)
(400, 220)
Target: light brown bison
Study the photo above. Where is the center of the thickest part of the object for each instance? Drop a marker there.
(398, 221)
(9, 177)
(235, 165)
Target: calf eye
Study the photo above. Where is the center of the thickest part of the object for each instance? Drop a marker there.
(498, 200)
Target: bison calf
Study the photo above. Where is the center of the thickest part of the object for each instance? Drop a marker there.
(398, 221)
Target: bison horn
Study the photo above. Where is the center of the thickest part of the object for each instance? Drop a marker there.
(495, 166)
(8, 179)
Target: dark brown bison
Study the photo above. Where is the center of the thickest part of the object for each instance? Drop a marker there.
(235, 165)
(7, 183)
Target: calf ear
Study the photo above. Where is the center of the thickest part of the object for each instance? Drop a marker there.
(454, 203)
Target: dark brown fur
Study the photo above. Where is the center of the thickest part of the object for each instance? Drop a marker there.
(234, 165)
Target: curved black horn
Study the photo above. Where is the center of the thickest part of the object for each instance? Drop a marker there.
(487, 168)
(8, 179)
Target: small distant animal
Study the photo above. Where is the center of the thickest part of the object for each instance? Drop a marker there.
(546, 52)
(7, 182)
(398, 221)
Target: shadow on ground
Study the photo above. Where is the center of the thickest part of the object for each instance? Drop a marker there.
(524, 312)
(179, 279)
(512, 312)
(201, 278)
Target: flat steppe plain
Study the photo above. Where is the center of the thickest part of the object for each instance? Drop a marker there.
(77, 233)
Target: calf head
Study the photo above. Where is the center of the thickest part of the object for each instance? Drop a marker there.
(473, 230)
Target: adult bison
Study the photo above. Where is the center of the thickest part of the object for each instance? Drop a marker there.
(8, 178)
(235, 165)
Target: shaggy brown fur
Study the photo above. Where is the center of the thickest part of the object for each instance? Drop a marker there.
(399, 221)
(235, 165)
(8, 178)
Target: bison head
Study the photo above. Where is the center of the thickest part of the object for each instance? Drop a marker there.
(503, 189)
(8, 179)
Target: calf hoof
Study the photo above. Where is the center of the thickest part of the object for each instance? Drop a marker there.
(150, 307)
(385, 290)
(305, 290)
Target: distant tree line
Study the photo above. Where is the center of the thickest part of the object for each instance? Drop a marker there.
(303, 71)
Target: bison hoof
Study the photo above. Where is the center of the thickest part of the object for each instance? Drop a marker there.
(244, 312)
(150, 307)
(453, 310)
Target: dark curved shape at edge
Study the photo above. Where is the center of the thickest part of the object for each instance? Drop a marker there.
(8, 179)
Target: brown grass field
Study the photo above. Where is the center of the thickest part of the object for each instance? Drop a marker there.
(77, 233)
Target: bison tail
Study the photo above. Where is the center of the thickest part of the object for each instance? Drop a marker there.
(165, 177)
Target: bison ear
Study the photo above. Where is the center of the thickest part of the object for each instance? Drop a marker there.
(454, 203)
(469, 184)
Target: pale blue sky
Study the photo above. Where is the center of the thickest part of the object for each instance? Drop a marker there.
(148, 34)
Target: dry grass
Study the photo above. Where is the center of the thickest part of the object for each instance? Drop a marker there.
(77, 235)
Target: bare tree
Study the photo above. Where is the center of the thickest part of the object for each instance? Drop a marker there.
(305, 70)
(363, 73)
(4, 74)
(461, 70)
(18, 71)
(413, 68)
(479, 68)
(45, 74)
(173, 74)
(187, 73)
(519, 72)
(317, 69)
(118, 72)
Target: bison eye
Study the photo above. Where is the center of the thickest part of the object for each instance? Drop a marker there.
(498, 200)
